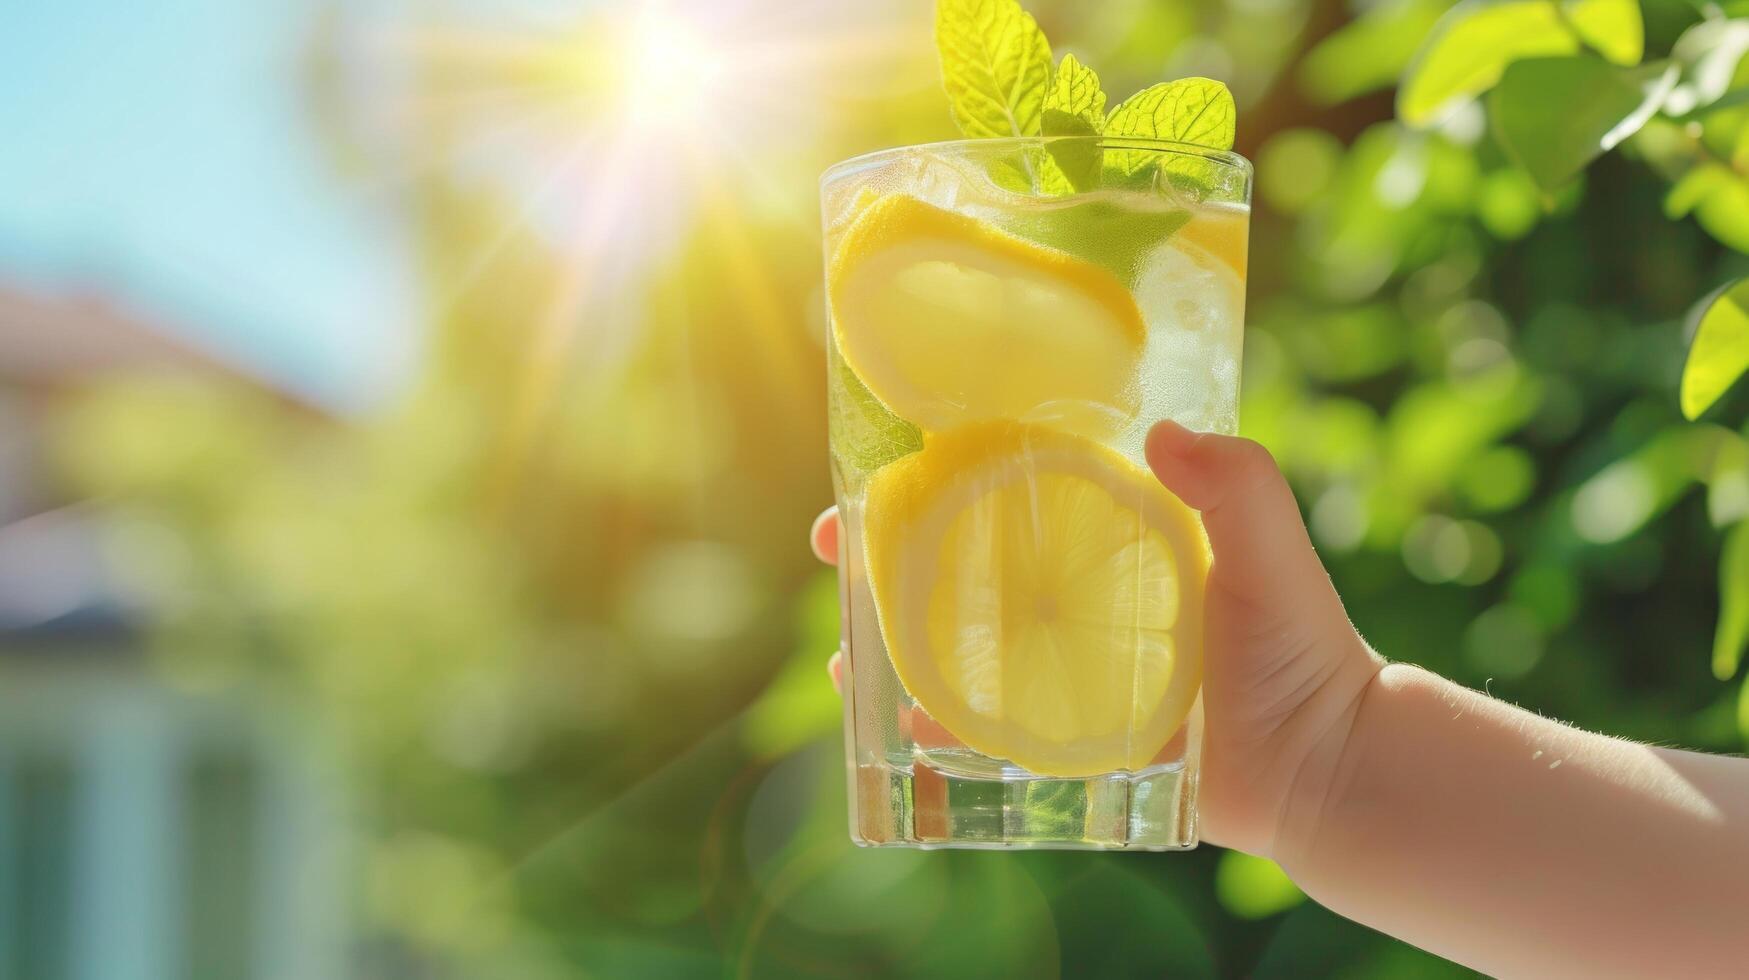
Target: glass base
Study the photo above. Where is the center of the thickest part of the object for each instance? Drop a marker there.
(934, 803)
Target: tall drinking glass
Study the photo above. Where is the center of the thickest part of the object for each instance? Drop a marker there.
(1022, 601)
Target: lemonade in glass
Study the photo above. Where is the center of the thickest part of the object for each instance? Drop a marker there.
(1022, 599)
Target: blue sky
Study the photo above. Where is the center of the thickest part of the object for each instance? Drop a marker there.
(162, 154)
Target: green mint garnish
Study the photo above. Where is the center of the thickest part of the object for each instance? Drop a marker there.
(866, 435)
(996, 68)
(1190, 110)
(995, 65)
(1075, 105)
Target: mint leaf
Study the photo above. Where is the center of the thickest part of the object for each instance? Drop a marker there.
(1069, 165)
(1190, 110)
(1115, 236)
(1075, 105)
(1054, 179)
(865, 434)
(995, 66)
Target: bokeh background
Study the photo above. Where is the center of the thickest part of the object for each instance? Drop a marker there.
(411, 414)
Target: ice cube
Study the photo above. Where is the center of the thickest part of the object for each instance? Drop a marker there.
(1194, 306)
(1180, 287)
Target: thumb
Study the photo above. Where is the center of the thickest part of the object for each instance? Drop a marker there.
(1263, 558)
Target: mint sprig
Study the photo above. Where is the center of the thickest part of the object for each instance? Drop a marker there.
(996, 69)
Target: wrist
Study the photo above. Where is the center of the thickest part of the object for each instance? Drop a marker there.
(1324, 778)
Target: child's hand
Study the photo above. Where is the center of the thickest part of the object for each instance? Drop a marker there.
(1283, 668)
(1511, 843)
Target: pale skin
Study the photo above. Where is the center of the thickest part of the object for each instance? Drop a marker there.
(1510, 843)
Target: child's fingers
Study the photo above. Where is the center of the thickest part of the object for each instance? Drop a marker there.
(825, 540)
(825, 536)
(1254, 526)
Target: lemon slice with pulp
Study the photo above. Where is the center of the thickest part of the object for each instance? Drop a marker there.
(949, 320)
(1039, 594)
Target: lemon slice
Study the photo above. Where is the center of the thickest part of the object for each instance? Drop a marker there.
(948, 320)
(1040, 596)
(1221, 234)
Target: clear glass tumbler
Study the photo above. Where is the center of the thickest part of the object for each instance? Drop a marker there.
(1022, 601)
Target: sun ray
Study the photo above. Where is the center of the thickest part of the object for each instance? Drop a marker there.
(613, 140)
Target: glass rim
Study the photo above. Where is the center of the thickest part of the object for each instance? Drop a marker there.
(1147, 144)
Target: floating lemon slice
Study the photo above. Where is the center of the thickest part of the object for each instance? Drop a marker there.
(1221, 234)
(1040, 596)
(948, 320)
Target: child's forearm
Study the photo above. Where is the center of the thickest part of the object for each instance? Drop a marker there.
(1523, 847)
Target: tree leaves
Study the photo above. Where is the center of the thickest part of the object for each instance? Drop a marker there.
(1733, 630)
(1470, 49)
(1719, 353)
(1472, 46)
(1555, 115)
(1711, 52)
(1612, 28)
(1718, 199)
(995, 66)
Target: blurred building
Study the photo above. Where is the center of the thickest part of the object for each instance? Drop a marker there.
(145, 833)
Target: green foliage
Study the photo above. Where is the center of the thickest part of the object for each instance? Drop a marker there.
(796, 709)
(1612, 28)
(1472, 46)
(1719, 353)
(1295, 168)
(1711, 53)
(1555, 115)
(1733, 631)
(1718, 198)
(995, 66)
(1508, 204)
(1470, 49)
(1115, 921)
(1253, 887)
(1369, 53)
